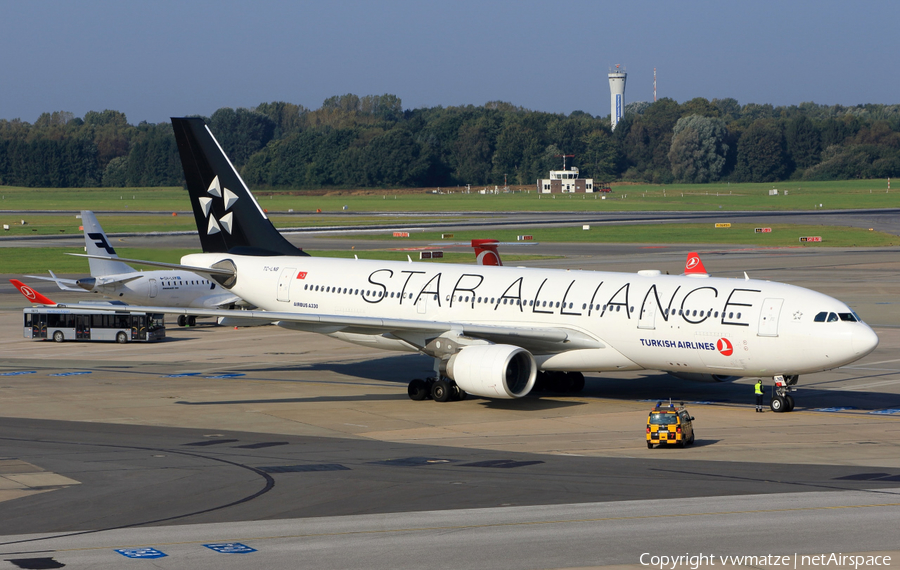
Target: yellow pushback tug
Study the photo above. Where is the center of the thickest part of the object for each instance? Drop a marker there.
(668, 425)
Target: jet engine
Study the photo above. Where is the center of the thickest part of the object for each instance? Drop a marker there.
(493, 371)
(698, 377)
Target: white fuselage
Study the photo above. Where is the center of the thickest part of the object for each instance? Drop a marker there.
(641, 321)
(169, 288)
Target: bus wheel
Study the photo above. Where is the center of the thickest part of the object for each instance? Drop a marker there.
(121, 338)
(58, 336)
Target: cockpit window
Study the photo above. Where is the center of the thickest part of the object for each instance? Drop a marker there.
(825, 316)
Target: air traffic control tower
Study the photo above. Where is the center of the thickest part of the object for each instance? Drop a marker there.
(617, 96)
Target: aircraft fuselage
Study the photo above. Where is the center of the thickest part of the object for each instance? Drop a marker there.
(675, 323)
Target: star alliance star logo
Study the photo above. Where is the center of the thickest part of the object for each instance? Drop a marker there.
(797, 315)
(228, 199)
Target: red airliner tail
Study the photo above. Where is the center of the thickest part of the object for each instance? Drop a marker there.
(693, 265)
(31, 294)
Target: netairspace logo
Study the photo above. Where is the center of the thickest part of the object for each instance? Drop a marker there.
(695, 561)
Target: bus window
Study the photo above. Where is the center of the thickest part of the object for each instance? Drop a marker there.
(157, 322)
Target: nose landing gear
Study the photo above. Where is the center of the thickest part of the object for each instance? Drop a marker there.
(782, 401)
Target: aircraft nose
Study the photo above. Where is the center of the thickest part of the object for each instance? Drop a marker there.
(87, 283)
(863, 341)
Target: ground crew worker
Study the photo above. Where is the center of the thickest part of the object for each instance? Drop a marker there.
(758, 389)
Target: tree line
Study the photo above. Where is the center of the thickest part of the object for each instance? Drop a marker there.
(371, 141)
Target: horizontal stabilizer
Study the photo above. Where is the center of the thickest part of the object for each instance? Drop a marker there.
(63, 284)
(200, 270)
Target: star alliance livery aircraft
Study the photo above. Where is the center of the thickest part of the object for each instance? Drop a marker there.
(492, 330)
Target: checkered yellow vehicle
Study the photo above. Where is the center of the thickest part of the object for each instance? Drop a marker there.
(669, 426)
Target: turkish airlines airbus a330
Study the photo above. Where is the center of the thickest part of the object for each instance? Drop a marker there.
(492, 329)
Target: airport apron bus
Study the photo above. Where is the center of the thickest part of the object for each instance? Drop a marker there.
(42, 323)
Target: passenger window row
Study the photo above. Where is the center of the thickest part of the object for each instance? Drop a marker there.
(508, 301)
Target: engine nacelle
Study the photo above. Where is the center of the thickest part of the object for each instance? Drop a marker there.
(698, 377)
(493, 371)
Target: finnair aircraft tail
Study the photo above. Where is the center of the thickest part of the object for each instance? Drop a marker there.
(215, 187)
(96, 243)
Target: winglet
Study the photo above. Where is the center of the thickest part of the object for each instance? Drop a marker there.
(693, 265)
(486, 251)
(31, 294)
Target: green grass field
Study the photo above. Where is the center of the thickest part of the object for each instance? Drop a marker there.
(18, 260)
(66, 202)
(801, 196)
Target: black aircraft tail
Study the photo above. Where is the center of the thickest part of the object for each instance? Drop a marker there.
(229, 219)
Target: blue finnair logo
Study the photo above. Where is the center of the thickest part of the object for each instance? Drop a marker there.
(618, 106)
(100, 241)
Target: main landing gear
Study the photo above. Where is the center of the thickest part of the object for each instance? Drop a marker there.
(782, 401)
(187, 321)
(438, 389)
(563, 382)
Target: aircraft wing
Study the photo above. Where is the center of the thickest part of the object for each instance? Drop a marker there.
(539, 339)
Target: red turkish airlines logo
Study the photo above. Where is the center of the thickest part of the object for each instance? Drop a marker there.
(28, 292)
(301, 275)
(692, 262)
(724, 346)
(488, 257)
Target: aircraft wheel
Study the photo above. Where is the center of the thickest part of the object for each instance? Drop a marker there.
(441, 392)
(560, 382)
(417, 390)
(778, 404)
(192, 321)
(456, 393)
(121, 338)
(58, 336)
(541, 382)
(789, 400)
(182, 320)
(577, 382)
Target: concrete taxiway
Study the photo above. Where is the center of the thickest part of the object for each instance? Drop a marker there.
(305, 448)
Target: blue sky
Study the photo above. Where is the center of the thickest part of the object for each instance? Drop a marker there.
(153, 60)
